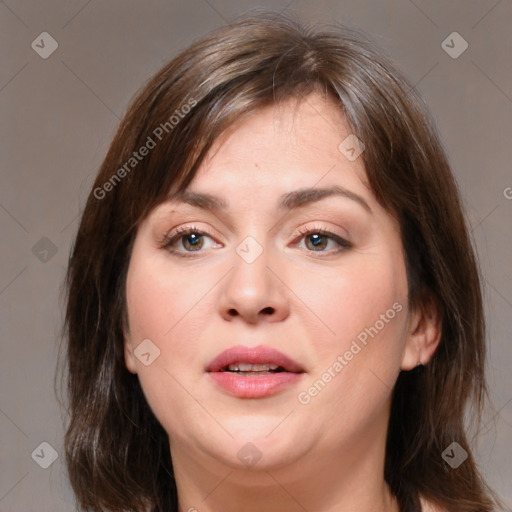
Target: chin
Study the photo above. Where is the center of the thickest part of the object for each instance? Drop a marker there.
(259, 428)
(259, 443)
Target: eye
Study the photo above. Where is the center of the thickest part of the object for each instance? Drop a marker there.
(190, 239)
(319, 239)
(187, 240)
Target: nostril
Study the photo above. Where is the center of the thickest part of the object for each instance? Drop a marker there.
(269, 310)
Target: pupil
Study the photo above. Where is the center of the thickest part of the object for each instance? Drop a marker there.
(316, 240)
(193, 240)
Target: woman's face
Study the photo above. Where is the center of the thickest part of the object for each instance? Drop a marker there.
(281, 256)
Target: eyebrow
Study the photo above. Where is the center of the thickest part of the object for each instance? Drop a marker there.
(288, 201)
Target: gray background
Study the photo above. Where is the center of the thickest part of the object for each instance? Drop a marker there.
(59, 115)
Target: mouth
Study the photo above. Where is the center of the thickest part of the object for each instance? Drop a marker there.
(253, 372)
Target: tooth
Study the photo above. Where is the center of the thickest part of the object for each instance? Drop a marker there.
(249, 367)
(260, 367)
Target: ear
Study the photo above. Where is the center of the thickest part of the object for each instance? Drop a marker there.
(425, 327)
(129, 357)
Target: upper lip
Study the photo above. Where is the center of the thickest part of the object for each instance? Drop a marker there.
(254, 355)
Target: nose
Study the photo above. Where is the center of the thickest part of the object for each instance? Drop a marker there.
(253, 292)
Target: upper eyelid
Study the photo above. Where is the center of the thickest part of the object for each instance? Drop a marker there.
(194, 229)
(220, 215)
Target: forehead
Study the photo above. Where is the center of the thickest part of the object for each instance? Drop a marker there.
(311, 123)
(280, 147)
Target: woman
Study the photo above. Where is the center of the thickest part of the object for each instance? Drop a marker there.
(273, 301)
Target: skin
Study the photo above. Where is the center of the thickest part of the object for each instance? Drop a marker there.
(323, 456)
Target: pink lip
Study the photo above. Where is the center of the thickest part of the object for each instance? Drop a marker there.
(257, 386)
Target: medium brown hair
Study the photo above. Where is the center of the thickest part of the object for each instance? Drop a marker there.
(117, 453)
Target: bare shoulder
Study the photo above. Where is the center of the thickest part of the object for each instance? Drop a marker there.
(429, 506)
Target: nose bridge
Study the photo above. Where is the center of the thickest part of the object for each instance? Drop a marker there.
(251, 289)
(250, 273)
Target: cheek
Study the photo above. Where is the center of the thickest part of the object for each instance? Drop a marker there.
(357, 364)
(349, 301)
(169, 309)
(166, 307)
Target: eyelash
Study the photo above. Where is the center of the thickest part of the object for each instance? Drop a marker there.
(171, 238)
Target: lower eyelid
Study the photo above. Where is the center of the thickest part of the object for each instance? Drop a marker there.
(179, 236)
(340, 247)
(173, 238)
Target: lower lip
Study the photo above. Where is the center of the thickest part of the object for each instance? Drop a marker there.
(258, 386)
